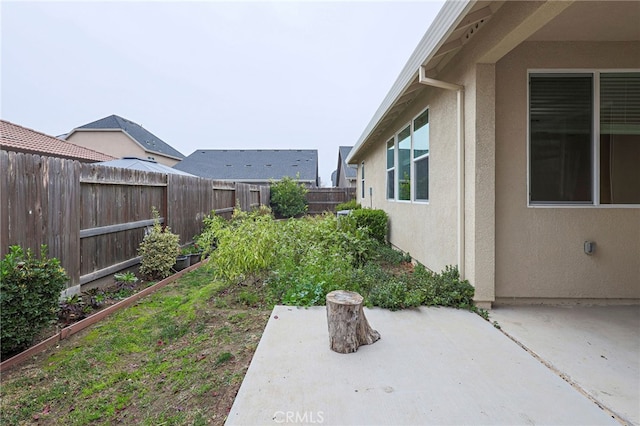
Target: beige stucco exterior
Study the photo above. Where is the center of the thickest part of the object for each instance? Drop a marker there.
(117, 144)
(512, 252)
(539, 251)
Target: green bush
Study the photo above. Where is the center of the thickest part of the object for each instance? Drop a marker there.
(245, 244)
(375, 221)
(29, 294)
(349, 205)
(159, 250)
(288, 197)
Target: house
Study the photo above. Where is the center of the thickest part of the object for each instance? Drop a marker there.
(143, 165)
(14, 137)
(255, 166)
(120, 137)
(509, 145)
(345, 173)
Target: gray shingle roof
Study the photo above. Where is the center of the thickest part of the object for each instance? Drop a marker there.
(145, 138)
(349, 171)
(144, 165)
(246, 165)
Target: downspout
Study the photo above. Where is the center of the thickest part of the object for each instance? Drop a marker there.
(423, 79)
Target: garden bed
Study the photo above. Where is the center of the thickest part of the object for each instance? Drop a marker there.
(69, 325)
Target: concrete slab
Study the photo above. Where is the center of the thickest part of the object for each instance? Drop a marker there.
(595, 347)
(433, 366)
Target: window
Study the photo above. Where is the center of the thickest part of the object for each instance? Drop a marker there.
(408, 152)
(584, 138)
(391, 169)
(362, 179)
(421, 156)
(404, 164)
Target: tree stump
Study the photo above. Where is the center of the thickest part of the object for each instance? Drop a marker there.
(348, 327)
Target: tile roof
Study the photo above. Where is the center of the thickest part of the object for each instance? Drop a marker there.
(17, 138)
(247, 165)
(145, 138)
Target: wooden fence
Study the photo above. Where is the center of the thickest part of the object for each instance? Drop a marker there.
(326, 199)
(93, 217)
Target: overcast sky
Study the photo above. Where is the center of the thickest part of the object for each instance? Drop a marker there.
(209, 75)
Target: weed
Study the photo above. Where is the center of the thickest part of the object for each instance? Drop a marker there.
(222, 358)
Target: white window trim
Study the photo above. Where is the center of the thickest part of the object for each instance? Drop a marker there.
(414, 160)
(397, 162)
(594, 146)
(388, 169)
(362, 191)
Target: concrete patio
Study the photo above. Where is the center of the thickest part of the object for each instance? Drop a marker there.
(436, 366)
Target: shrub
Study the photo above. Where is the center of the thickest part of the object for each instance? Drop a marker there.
(288, 197)
(393, 294)
(349, 205)
(29, 294)
(159, 250)
(374, 221)
(245, 244)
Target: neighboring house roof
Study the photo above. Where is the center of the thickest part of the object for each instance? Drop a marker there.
(147, 140)
(21, 139)
(350, 172)
(144, 165)
(246, 165)
(334, 177)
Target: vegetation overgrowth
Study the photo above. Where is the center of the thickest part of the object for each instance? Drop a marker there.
(179, 355)
(297, 262)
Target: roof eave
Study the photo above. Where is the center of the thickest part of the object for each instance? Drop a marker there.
(452, 12)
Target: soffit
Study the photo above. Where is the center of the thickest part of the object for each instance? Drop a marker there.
(468, 25)
(588, 21)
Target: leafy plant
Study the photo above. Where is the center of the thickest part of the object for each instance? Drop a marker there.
(374, 221)
(288, 197)
(208, 239)
(73, 308)
(349, 205)
(126, 277)
(29, 293)
(158, 249)
(245, 244)
(96, 297)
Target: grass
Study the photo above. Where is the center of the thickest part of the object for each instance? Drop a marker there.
(173, 358)
(179, 355)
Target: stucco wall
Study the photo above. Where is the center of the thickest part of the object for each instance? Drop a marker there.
(425, 230)
(117, 144)
(539, 251)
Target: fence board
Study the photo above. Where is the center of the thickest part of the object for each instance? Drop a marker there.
(54, 201)
(321, 200)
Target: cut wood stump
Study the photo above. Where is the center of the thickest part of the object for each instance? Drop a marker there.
(348, 327)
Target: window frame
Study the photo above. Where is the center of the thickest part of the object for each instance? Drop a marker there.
(389, 169)
(362, 180)
(409, 125)
(412, 162)
(595, 140)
